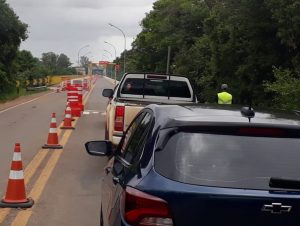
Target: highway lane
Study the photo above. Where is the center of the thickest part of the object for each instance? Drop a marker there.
(27, 124)
(72, 193)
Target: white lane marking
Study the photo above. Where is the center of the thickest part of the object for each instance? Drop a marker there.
(88, 112)
(103, 113)
(7, 109)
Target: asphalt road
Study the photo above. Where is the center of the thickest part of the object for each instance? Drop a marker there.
(65, 184)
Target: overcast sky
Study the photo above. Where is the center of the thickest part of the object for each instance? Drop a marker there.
(64, 26)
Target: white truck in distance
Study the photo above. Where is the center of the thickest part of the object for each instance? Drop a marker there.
(137, 90)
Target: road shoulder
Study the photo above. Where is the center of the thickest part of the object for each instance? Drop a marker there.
(22, 99)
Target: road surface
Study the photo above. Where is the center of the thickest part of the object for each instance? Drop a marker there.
(65, 184)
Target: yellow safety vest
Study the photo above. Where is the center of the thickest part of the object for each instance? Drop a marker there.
(224, 98)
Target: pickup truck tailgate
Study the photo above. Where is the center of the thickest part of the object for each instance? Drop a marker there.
(130, 112)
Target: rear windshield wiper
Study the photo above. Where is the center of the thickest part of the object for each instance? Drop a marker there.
(276, 182)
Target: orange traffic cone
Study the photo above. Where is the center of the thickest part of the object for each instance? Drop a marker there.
(52, 142)
(68, 119)
(15, 193)
(68, 105)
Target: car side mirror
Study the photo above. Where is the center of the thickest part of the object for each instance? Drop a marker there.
(99, 148)
(108, 93)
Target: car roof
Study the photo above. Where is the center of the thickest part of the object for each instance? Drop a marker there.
(167, 116)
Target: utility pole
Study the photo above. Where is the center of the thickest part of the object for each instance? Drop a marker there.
(168, 60)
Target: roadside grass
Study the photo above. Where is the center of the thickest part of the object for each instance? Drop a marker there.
(14, 94)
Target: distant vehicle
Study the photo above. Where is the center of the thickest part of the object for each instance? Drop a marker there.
(197, 165)
(135, 91)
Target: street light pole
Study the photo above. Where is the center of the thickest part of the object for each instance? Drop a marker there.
(88, 53)
(80, 50)
(106, 67)
(124, 44)
(115, 57)
(113, 47)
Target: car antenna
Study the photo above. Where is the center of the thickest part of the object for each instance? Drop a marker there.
(248, 111)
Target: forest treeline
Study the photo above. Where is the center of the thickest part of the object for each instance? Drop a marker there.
(252, 45)
(20, 65)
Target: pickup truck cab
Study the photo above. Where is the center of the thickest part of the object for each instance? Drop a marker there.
(137, 90)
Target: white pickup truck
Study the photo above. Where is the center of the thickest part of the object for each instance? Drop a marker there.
(137, 90)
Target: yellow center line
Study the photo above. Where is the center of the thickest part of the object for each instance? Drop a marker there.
(22, 217)
(29, 171)
(3, 214)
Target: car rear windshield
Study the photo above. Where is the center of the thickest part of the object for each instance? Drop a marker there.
(228, 161)
(156, 87)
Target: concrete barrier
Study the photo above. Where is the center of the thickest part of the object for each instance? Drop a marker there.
(56, 79)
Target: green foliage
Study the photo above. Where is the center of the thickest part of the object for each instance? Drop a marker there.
(174, 23)
(63, 61)
(237, 42)
(12, 32)
(286, 89)
(27, 67)
(57, 64)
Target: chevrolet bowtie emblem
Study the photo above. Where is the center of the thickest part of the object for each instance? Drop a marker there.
(276, 208)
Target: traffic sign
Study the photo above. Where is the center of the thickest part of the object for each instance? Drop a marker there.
(104, 62)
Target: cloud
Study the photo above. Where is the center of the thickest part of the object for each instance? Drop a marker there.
(63, 26)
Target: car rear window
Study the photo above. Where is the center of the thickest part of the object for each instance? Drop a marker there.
(245, 162)
(156, 87)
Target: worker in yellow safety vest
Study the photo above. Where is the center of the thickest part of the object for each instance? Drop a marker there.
(224, 97)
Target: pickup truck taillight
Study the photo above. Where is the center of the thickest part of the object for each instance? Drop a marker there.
(141, 209)
(119, 118)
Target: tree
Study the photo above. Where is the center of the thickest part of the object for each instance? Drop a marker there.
(237, 42)
(63, 61)
(286, 88)
(84, 62)
(12, 32)
(50, 60)
(24, 61)
(57, 64)
(287, 17)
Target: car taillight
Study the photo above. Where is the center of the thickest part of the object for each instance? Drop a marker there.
(141, 209)
(119, 118)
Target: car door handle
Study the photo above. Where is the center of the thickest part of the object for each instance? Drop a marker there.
(107, 169)
(116, 180)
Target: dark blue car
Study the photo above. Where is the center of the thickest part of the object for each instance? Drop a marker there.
(203, 166)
